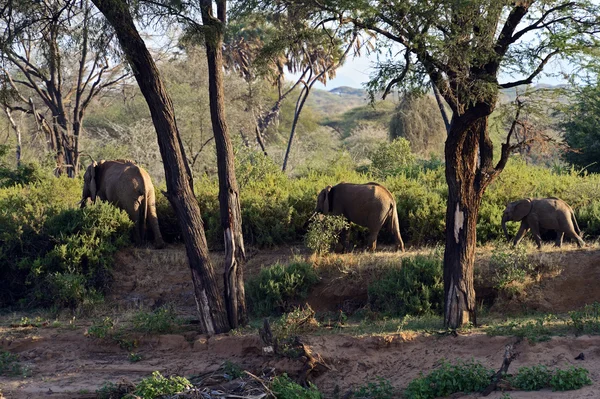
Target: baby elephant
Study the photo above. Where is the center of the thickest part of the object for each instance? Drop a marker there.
(542, 213)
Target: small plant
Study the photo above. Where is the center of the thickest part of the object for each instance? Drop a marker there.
(535, 330)
(285, 388)
(276, 288)
(511, 267)
(161, 320)
(232, 371)
(416, 288)
(157, 385)
(532, 378)
(586, 320)
(102, 329)
(382, 389)
(323, 233)
(571, 378)
(10, 366)
(110, 390)
(134, 357)
(448, 379)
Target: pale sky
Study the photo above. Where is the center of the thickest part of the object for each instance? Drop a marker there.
(355, 73)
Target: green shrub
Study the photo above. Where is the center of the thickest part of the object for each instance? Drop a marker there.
(285, 388)
(391, 158)
(448, 379)
(161, 320)
(586, 320)
(26, 173)
(52, 253)
(572, 378)
(510, 265)
(324, 233)
(157, 385)
(532, 378)
(382, 389)
(415, 288)
(276, 287)
(10, 366)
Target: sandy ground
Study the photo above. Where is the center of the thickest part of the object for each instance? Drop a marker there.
(65, 363)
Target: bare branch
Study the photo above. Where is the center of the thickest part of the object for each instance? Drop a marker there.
(530, 78)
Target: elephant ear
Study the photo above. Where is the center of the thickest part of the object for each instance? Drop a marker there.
(327, 206)
(521, 209)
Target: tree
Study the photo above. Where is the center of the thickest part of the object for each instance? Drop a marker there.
(178, 175)
(417, 119)
(211, 32)
(59, 53)
(582, 129)
(464, 47)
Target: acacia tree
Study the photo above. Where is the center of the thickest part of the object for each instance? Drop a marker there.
(57, 52)
(177, 173)
(464, 48)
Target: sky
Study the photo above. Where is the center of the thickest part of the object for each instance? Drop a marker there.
(355, 73)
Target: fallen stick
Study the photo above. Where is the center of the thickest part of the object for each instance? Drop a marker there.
(509, 356)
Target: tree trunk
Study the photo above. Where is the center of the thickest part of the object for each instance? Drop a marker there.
(229, 203)
(178, 176)
(17, 132)
(299, 105)
(465, 190)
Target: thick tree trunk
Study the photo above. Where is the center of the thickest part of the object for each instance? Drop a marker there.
(465, 190)
(210, 307)
(229, 202)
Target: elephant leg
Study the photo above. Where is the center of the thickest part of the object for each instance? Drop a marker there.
(575, 236)
(153, 222)
(372, 241)
(535, 230)
(345, 240)
(522, 230)
(559, 238)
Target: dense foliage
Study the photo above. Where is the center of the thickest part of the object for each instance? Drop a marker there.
(51, 252)
(415, 288)
(278, 287)
(582, 129)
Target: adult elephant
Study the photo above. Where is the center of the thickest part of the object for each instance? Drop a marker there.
(542, 213)
(127, 186)
(369, 205)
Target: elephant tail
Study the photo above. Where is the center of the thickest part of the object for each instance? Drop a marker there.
(577, 230)
(395, 224)
(143, 215)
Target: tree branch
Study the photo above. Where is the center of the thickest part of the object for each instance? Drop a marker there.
(530, 78)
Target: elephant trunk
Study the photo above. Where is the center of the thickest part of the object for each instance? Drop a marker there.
(305, 226)
(504, 220)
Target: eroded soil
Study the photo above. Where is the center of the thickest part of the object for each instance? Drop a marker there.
(65, 363)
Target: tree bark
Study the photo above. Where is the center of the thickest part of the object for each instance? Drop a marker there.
(229, 202)
(177, 173)
(465, 191)
(17, 132)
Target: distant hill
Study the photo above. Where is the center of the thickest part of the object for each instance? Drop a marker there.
(336, 101)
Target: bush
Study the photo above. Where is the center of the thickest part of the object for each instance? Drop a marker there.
(160, 321)
(324, 233)
(448, 379)
(391, 158)
(586, 320)
(532, 378)
(53, 254)
(382, 389)
(415, 288)
(157, 385)
(285, 388)
(572, 378)
(276, 287)
(511, 266)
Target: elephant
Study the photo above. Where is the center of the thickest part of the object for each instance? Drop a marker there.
(127, 186)
(542, 213)
(369, 205)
